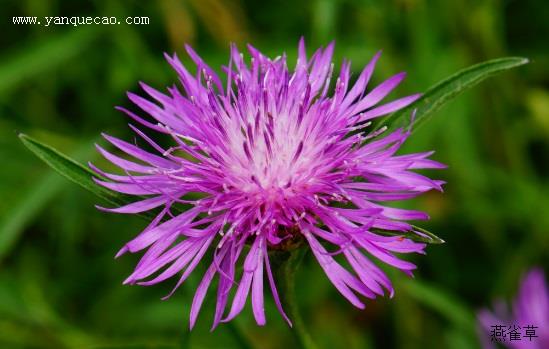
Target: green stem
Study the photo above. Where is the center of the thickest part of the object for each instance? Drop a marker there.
(285, 266)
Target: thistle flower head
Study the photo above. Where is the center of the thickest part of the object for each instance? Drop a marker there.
(276, 155)
(530, 309)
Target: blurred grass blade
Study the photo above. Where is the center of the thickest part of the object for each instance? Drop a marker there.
(448, 89)
(15, 220)
(29, 203)
(442, 302)
(44, 55)
(417, 234)
(77, 173)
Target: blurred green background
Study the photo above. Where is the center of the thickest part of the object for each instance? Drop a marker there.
(59, 284)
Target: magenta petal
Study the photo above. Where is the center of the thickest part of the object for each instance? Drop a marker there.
(257, 294)
(129, 188)
(149, 236)
(362, 274)
(124, 164)
(274, 290)
(139, 153)
(200, 294)
(250, 267)
(362, 81)
(386, 256)
(178, 265)
(240, 296)
(333, 270)
(138, 206)
(388, 108)
(378, 93)
(197, 258)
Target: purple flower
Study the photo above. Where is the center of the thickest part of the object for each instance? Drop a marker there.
(276, 158)
(531, 308)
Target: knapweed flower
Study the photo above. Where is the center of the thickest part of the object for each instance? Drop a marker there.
(275, 158)
(527, 325)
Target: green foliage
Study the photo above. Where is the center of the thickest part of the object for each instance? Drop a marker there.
(40, 56)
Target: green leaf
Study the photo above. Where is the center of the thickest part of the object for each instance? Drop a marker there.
(78, 173)
(447, 90)
(416, 234)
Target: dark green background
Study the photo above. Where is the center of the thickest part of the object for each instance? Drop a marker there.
(59, 284)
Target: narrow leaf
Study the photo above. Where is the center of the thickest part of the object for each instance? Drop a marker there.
(447, 90)
(78, 173)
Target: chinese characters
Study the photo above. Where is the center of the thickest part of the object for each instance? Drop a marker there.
(504, 333)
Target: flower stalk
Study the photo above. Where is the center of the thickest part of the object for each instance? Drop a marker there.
(286, 264)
